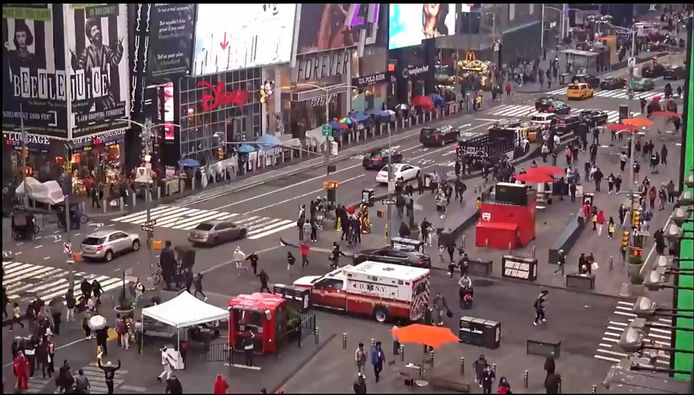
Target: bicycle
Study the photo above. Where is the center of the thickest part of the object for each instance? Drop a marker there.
(157, 277)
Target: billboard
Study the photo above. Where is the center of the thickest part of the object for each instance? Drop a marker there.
(241, 36)
(99, 75)
(324, 27)
(34, 76)
(409, 24)
(170, 40)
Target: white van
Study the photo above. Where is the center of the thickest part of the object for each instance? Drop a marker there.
(543, 119)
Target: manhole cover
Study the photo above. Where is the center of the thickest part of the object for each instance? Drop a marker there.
(483, 283)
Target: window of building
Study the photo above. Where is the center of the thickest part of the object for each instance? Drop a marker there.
(511, 12)
(531, 9)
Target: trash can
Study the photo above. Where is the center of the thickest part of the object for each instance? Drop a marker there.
(564, 78)
(367, 196)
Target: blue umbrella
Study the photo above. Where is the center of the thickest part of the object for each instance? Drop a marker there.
(359, 116)
(245, 148)
(437, 99)
(268, 141)
(335, 124)
(188, 162)
(373, 111)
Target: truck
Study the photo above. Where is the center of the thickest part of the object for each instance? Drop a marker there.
(510, 139)
(384, 291)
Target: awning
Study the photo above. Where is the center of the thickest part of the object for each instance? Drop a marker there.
(185, 310)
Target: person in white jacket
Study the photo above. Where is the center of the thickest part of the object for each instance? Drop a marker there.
(239, 258)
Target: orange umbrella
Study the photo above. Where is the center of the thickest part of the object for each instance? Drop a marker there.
(670, 114)
(432, 336)
(550, 170)
(534, 177)
(638, 122)
(618, 127)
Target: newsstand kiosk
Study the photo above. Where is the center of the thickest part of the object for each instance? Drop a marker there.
(263, 314)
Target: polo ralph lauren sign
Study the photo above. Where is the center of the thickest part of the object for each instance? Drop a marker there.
(323, 65)
(369, 80)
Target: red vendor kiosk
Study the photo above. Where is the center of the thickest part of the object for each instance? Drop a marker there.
(264, 314)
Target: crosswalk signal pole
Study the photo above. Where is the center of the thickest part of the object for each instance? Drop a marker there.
(147, 137)
(67, 190)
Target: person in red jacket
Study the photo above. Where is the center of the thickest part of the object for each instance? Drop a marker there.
(508, 88)
(21, 371)
(304, 254)
(220, 385)
(600, 221)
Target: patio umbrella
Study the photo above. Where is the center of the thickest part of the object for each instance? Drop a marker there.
(97, 322)
(638, 122)
(245, 148)
(669, 114)
(549, 170)
(433, 336)
(373, 111)
(359, 116)
(618, 127)
(436, 99)
(422, 101)
(268, 141)
(401, 107)
(534, 177)
(188, 162)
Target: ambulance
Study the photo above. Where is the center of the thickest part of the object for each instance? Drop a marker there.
(384, 291)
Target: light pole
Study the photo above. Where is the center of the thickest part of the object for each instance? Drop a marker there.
(493, 25)
(147, 136)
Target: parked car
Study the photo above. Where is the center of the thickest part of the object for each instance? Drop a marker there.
(216, 232)
(567, 123)
(400, 171)
(642, 84)
(674, 73)
(579, 90)
(543, 120)
(592, 81)
(613, 83)
(650, 70)
(375, 160)
(550, 104)
(438, 136)
(105, 244)
(395, 256)
(597, 117)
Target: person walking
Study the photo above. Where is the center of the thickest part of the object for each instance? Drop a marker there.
(97, 290)
(622, 161)
(550, 366)
(42, 356)
(167, 364)
(85, 325)
(173, 385)
(290, 261)
(253, 258)
(188, 276)
(197, 286)
(304, 250)
(16, 316)
(425, 232)
(600, 222)
(359, 385)
(264, 278)
(82, 384)
(670, 188)
(610, 228)
(663, 155)
(20, 368)
(70, 303)
(65, 379)
(55, 308)
(617, 183)
(652, 195)
(378, 358)
(662, 198)
(504, 386)
(561, 262)
(610, 183)
(360, 357)
(508, 88)
(109, 373)
(488, 377)
(220, 386)
(597, 177)
(479, 365)
(239, 257)
(539, 306)
(101, 338)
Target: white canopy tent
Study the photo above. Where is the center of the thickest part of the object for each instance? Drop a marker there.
(183, 311)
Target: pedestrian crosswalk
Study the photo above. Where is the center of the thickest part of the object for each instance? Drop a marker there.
(521, 111)
(658, 331)
(613, 94)
(185, 218)
(26, 281)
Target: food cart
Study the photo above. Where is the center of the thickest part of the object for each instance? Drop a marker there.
(263, 314)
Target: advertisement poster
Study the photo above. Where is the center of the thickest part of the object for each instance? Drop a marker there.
(33, 70)
(240, 36)
(327, 26)
(170, 40)
(99, 74)
(412, 23)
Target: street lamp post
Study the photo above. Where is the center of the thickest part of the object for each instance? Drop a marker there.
(493, 25)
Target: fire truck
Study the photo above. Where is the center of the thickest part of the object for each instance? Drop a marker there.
(381, 290)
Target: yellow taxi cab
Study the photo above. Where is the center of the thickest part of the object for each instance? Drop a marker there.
(579, 91)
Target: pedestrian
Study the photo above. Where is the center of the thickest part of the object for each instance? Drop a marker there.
(239, 258)
(552, 383)
(301, 221)
(622, 161)
(70, 303)
(173, 385)
(167, 364)
(378, 358)
(508, 88)
(504, 386)
(197, 286)
(424, 231)
(86, 289)
(600, 221)
(253, 257)
(652, 195)
(50, 351)
(594, 219)
(617, 183)
(247, 345)
(561, 262)
(539, 306)
(97, 290)
(56, 314)
(597, 177)
(20, 368)
(360, 357)
(42, 356)
(569, 154)
(82, 384)
(304, 250)
(188, 276)
(670, 188)
(314, 230)
(85, 325)
(16, 316)
(101, 338)
(550, 366)
(359, 385)
(488, 377)
(396, 343)
(123, 329)
(479, 365)
(65, 380)
(663, 155)
(109, 373)
(544, 151)
(662, 198)
(290, 260)
(610, 228)
(220, 385)
(263, 277)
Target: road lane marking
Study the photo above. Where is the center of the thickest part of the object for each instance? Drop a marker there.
(46, 258)
(258, 252)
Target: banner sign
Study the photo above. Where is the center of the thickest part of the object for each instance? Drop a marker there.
(34, 76)
(240, 36)
(171, 39)
(319, 66)
(409, 24)
(325, 27)
(99, 75)
(369, 80)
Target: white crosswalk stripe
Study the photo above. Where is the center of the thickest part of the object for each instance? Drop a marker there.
(521, 111)
(608, 348)
(613, 94)
(98, 384)
(184, 218)
(27, 280)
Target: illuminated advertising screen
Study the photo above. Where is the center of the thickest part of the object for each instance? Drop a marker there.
(326, 27)
(412, 23)
(241, 36)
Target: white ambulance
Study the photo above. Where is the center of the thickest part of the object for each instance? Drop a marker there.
(382, 290)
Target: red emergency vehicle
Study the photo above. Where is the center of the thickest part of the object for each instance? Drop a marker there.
(264, 314)
(381, 290)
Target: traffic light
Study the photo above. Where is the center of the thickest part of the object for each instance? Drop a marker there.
(25, 152)
(220, 153)
(625, 239)
(636, 217)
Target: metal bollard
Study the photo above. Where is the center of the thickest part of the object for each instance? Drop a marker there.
(559, 387)
(431, 358)
(486, 243)
(525, 379)
(611, 261)
(462, 242)
(344, 341)
(105, 205)
(494, 368)
(134, 199)
(462, 366)
(510, 249)
(534, 249)
(121, 203)
(315, 333)
(594, 390)
(402, 353)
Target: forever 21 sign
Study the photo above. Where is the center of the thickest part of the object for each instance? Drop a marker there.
(368, 80)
